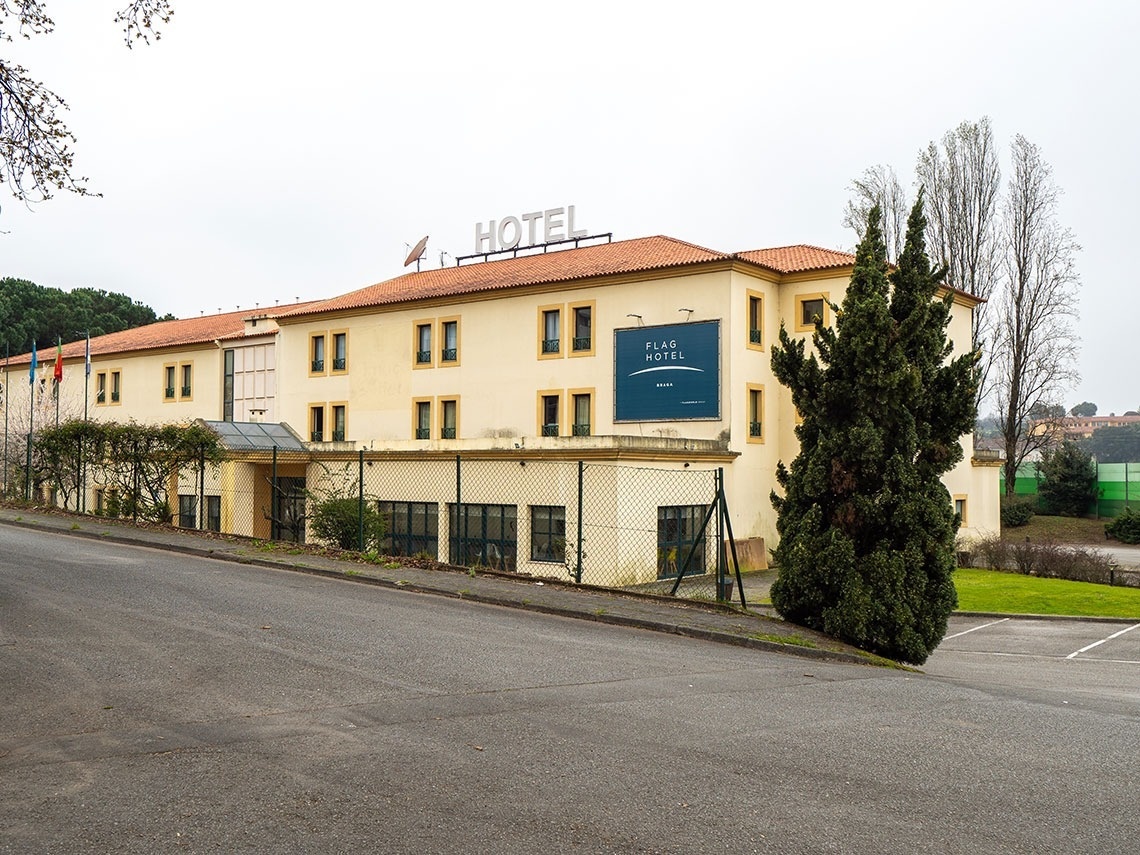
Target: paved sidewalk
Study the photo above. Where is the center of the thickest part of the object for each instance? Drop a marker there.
(757, 627)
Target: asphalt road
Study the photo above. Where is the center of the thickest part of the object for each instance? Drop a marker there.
(158, 703)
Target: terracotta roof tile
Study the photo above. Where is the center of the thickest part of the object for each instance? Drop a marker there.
(176, 333)
(798, 258)
(629, 256)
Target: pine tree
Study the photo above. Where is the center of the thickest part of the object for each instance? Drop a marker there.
(866, 527)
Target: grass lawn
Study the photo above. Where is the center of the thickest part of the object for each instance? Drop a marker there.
(1060, 529)
(991, 591)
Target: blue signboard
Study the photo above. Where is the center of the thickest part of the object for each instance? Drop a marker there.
(667, 373)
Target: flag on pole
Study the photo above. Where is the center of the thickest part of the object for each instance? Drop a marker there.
(59, 361)
(87, 357)
(35, 365)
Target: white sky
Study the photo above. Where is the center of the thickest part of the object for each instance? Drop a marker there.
(266, 151)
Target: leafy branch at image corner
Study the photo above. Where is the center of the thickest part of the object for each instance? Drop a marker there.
(36, 156)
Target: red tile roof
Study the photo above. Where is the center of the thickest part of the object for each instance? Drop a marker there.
(620, 257)
(629, 256)
(569, 265)
(176, 333)
(798, 258)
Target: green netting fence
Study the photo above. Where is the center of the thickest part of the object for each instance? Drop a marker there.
(1118, 487)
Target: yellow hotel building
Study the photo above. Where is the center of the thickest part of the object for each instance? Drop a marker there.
(650, 352)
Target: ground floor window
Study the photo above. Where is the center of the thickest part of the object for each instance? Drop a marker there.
(288, 517)
(548, 533)
(483, 535)
(678, 531)
(188, 511)
(411, 528)
(214, 513)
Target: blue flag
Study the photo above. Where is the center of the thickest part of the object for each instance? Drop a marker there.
(35, 364)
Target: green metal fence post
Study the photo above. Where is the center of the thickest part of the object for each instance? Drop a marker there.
(202, 488)
(578, 548)
(274, 500)
(360, 504)
(454, 536)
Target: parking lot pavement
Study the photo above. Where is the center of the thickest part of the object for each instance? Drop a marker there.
(1044, 638)
(1083, 663)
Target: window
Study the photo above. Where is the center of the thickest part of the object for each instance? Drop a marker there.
(422, 419)
(449, 418)
(228, 386)
(100, 495)
(677, 535)
(288, 519)
(411, 528)
(101, 387)
(808, 308)
(116, 387)
(317, 423)
(755, 321)
(583, 343)
(581, 413)
(960, 508)
(187, 380)
(549, 331)
(548, 533)
(449, 333)
(483, 536)
(549, 411)
(168, 385)
(339, 420)
(214, 513)
(755, 413)
(317, 353)
(422, 345)
(340, 351)
(188, 511)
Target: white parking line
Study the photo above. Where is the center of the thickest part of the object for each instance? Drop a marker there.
(975, 629)
(1103, 640)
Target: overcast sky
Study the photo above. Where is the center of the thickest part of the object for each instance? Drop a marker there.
(269, 151)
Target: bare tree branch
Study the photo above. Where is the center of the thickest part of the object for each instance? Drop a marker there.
(1035, 345)
(878, 185)
(963, 183)
(36, 157)
(141, 18)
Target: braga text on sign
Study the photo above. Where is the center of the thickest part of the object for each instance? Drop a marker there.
(508, 233)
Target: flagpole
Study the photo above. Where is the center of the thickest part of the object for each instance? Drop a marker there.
(86, 396)
(7, 404)
(57, 375)
(86, 373)
(31, 424)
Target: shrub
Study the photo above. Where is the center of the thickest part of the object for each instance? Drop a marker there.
(1125, 528)
(992, 553)
(1046, 558)
(1016, 511)
(337, 521)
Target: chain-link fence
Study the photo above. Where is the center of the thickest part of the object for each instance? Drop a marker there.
(650, 529)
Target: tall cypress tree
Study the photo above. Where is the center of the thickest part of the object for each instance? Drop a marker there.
(866, 526)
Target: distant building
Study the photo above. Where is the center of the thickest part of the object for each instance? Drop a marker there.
(1080, 427)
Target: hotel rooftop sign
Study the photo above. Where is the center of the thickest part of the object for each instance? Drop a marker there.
(533, 228)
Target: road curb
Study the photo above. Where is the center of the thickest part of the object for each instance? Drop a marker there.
(598, 616)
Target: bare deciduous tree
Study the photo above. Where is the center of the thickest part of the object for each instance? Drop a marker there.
(1035, 349)
(878, 185)
(962, 180)
(36, 156)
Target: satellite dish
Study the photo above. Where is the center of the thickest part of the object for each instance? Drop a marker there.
(417, 252)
